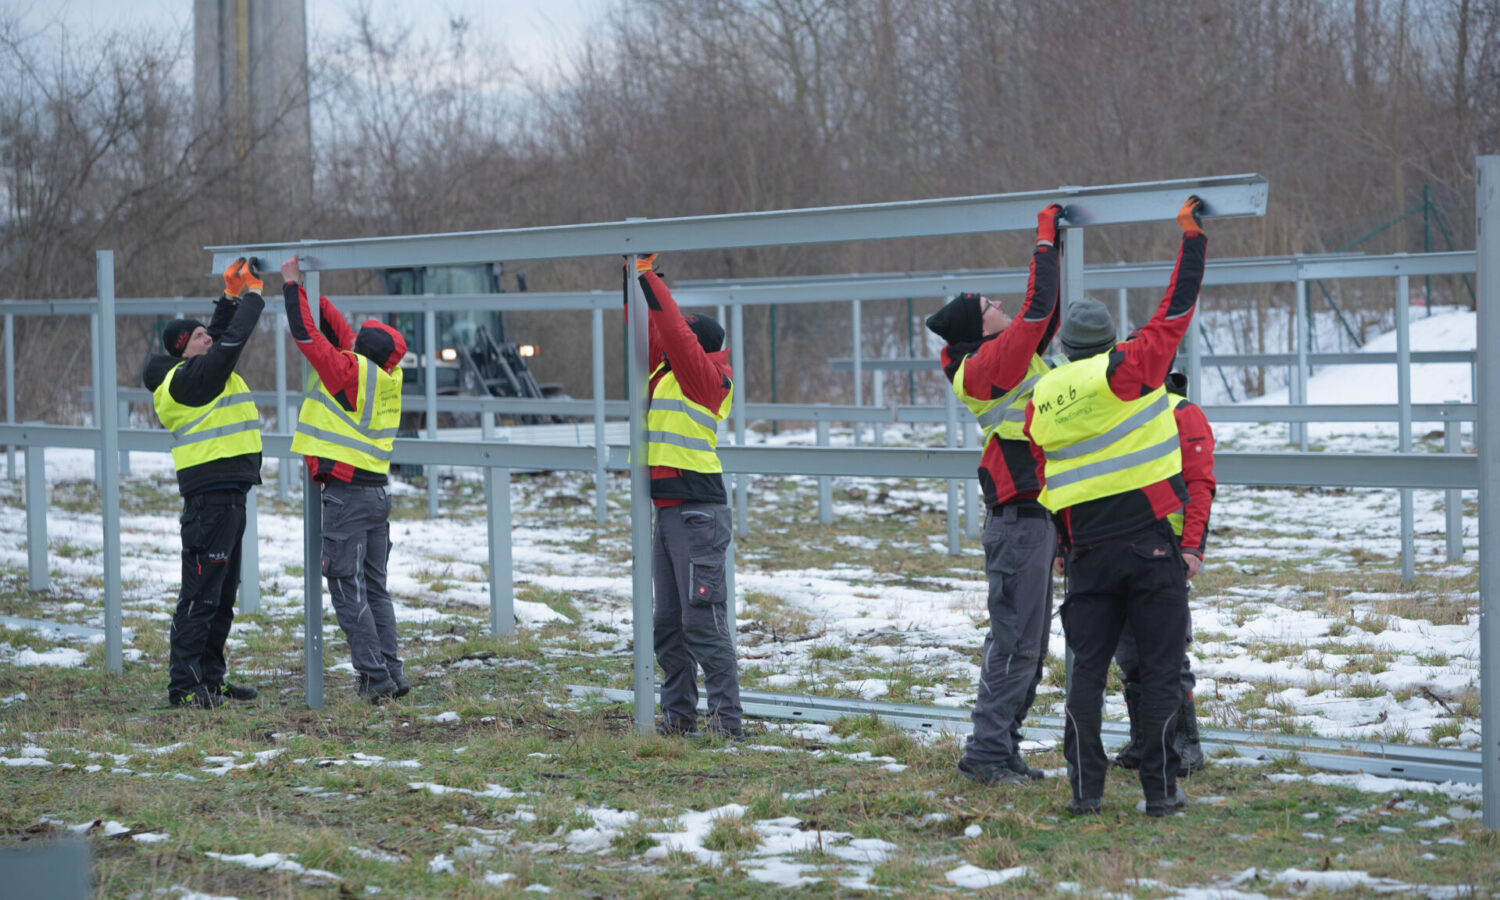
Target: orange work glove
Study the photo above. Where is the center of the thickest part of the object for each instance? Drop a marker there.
(250, 272)
(1046, 224)
(645, 263)
(233, 282)
(1188, 216)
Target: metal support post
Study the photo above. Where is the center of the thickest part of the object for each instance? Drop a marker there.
(1403, 425)
(1122, 312)
(37, 576)
(601, 447)
(1297, 390)
(429, 353)
(825, 482)
(1453, 501)
(1487, 444)
(10, 388)
(250, 554)
(124, 421)
(951, 443)
(312, 546)
(859, 371)
(973, 498)
(108, 423)
(877, 383)
(94, 399)
(502, 574)
(1071, 290)
(741, 385)
(286, 466)
(638, 343)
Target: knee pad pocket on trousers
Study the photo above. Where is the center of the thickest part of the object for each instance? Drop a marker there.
(198, 526)
(706, 580)
(339, 557)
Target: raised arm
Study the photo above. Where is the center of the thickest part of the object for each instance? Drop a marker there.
(338, 370)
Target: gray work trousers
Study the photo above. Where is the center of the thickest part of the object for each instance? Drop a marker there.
(691, 621)
(356, 548)
(1019, 541)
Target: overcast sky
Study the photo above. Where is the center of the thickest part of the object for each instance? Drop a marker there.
(534, 32)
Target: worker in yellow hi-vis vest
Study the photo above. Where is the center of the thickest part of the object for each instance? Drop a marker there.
(1106, 446)
(345, 430)
(216, 452)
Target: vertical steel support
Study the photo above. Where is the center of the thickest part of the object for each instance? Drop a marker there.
(250, 554)
(1072, 269)
(1403, 424)
(825, 482)
(1297, 390)
(312, 545)
(1122, 312)
(638, 341)
(286, 467)
(1453, 501)
(973, 498)
(729, 484)
(10, 388)
(37, 578)
(94, 396)
(601, 446)
(108, 422)
(502, 573)
(429, 352)
(124, 421)
(859, 369)
(1195, 361)
(951, 443)
(877, 399)
(1487, 444)
(741, 385)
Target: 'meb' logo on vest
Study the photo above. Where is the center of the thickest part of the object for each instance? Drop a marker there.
(1057, 403)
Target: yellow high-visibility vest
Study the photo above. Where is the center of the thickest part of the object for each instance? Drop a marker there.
(680, 433)
(361, 437)
(1094, 444)
(229, 425)
(1004, 417)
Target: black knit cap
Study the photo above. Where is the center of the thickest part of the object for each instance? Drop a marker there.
(710, 333)
(176, 335)
(961, 320)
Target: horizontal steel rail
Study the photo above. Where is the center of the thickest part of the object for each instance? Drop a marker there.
(1421, 763)
(1428, 471)
(1230, 195)
(1418, 357)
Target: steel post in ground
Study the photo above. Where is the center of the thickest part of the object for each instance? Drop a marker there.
(1194, 362)
(285, 467)
(1071, 289)
(1487, 445)
(94, 397)
(106, 415)
(1298, 388)
(429, 352)
(952, 443)
(741, 367)
(1403, 424)
(502, 573)
(877, 383)
(641, 508)
(124, 421)
(1453, 501)
(37, 578)
(10, 389)
(1122, 312)
(825, 482)
(601, 446)
(973, 499)
(859, 371)
(250, 554)
(312, 546)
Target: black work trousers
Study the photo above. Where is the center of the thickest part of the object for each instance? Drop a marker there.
(213, 523)
(1138, 579)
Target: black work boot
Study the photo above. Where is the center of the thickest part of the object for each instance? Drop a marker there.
(1018, 765)
(200, 697)
(1178, 801)
(1188, 746)
(236, 691)
(1129, 756)
(992, 774)
(403, 687)
(375, 691)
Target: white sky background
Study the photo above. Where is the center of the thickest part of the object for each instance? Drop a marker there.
(533, 34)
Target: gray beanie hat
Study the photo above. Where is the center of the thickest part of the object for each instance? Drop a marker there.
(1087, 329)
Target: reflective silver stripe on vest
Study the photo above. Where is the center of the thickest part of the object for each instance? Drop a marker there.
(697, 415)
(198, 437)
(373, 433)
(342, 441)
(1099, 442)
(1110, 466)
(667, 437)
(364, 424)
(1002, 411)
(223, 401)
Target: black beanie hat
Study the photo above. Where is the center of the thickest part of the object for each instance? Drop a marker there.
(1087, 329)
(959, 321)
(710, 333)
(176, 335)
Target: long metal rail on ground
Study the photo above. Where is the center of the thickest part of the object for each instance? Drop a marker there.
(1419, 763)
